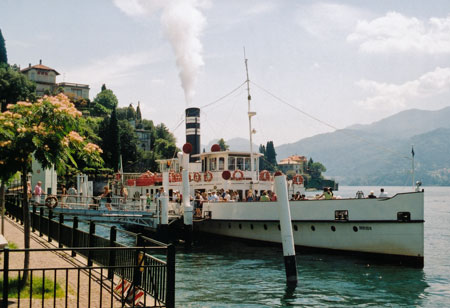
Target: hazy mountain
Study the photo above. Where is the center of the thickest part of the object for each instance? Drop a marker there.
(380, 153)
(236, 144)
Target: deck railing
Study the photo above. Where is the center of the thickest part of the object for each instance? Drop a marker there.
(107, 254)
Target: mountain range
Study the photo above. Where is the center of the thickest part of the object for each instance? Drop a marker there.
(379, 153)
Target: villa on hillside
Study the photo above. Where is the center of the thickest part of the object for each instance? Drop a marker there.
(294, 163)
(45, 79)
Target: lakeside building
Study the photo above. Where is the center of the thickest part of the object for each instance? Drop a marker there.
(295, 163)
(45, 79)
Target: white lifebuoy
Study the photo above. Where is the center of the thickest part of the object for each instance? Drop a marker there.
(298, 179)
(208, 176)
(241, 175)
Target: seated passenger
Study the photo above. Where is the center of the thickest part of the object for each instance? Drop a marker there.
(264, 197)
(383, 194)
(371, 195)
(249, 196)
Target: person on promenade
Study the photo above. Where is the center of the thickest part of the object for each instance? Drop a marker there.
(63, 195)
(108, 195)
(38, 192)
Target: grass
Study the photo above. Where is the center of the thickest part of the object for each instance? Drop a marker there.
(12, 245)
(37, 288)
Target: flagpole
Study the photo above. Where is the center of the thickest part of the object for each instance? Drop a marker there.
(412, 154)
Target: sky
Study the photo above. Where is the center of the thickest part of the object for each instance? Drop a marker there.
(314, 66)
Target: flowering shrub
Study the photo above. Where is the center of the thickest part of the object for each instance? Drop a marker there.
(47, 129)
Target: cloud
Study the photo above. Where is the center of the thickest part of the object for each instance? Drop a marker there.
(112, 69)
(261, 8)
(391, 96)
(395, 32)
(324, 20)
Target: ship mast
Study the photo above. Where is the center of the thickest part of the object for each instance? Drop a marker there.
(250, 115)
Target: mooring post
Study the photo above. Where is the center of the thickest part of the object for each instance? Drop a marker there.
(49, 225)
(91, 241)
(287, 237)
(41, 221)
(5, 277)
(170, 295)
(74, 235)
(60, 226)
(112, 252)
(187, 207)
(163, 200)
(33, 227)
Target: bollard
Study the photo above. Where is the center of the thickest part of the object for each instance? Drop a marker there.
(74, 235)
(112, 252)
(170, 295)
(287, 237)
(187, 207)
(49, 229)
(5, 277)
(61, 221)
(91, 241)
(41, 221)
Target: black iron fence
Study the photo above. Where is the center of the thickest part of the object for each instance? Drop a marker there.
(154, 276)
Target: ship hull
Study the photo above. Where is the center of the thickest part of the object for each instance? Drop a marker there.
(392, 228)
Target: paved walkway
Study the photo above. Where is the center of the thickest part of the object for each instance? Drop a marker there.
(77, 282)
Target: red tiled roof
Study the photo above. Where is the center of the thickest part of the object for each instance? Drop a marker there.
(39, 67)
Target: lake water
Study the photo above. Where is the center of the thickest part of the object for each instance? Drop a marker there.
(234, 274)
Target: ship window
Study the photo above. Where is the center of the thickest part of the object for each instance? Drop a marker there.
(231, 163)
(341, 215)
(313, 228)
(247, 164)
(221, 163)
(295, 228)
(404, 216)
(355, 228)
(251, 226)
(240, 163)
(279, 228)
(265, 227)
(213, 164)
(333, 228)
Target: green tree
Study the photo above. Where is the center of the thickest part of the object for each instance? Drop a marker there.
(109, 133)
(262, 159)
(138, 113)
(45, 130)
(14, 86)
(223, 145)
(271, 157)
(129, 148)
(103, 87)
(131, 113)
(3, 55)
(106, 99)
(165, 148)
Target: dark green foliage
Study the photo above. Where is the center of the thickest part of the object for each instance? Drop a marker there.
(131, 113)
(106, 99)
(223, 145)
(262, 159)
(271, 157)
(14, 86)
(138, 113)
(3, 55)
(115, 141)
(129, 148)
(103, 87)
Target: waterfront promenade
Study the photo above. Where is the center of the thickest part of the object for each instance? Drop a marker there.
(78, 282)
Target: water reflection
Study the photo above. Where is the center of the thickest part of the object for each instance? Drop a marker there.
(234, 274)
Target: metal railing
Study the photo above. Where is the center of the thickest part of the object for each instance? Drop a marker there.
(107, 254)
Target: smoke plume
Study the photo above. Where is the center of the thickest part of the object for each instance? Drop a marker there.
(183, 23)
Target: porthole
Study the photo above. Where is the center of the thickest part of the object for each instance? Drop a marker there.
(333, 228)
(229, 226)
(240, 226)
(313, 228)
(265, 227)
(355, 228)
(279, 228)
(295, 228)
(251, 226)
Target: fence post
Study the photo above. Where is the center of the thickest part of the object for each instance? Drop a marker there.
(61, 221)
(112, 252)
(91, 241)
(41, 220)
(170, 292)
(49, 229)
(33, 227)
(74, 235)
(5, 277)
(21, 211)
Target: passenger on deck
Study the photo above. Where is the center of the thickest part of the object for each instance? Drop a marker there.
(124, 194)
(371, 195)
(264, 197)
(327, 195)
(227, 196)
(249, 196)
(108, 195)
(235, 196)
(383, 194)
(273, 196)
